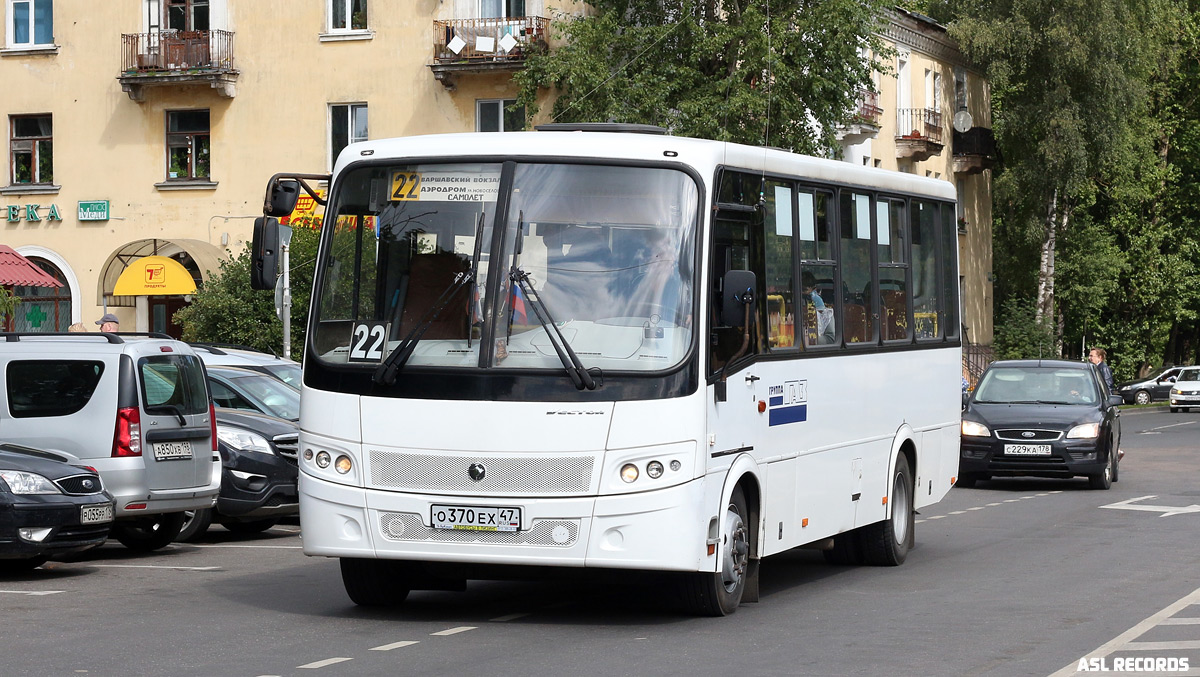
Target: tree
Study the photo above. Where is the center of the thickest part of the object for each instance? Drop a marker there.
(778, 73)
(227, 310)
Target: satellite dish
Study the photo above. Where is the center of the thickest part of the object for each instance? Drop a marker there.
(963, 121)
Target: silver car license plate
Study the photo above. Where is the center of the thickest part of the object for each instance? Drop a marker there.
(475, 517)
(171, 451)
(96, 514)
(1027, 449)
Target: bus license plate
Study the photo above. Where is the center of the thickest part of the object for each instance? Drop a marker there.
(1027, 449)
(95, 514)
(475, 517)
(171, 451)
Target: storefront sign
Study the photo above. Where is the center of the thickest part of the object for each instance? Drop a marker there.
(93, 210)
(30, 213)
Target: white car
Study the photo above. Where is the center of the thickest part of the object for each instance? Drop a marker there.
(224, 355)
(1185, 393)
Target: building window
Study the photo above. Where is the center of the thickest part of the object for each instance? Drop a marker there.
(499, 115)
(187, 15)
(347, 125)
(31, 23)
(501, 9)
(32, 143)
(347, 15)
(187, 145)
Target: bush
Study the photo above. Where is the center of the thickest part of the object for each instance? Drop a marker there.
(1019, 335)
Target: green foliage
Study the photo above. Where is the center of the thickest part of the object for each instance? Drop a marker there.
(8, 304)
(1019, 335)
(752, 71)
(227, 310)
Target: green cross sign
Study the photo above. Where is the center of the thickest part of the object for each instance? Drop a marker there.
(36, 316)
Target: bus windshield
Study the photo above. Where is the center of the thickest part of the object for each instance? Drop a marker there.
(601, 256)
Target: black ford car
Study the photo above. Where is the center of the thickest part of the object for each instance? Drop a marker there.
(258, 474)
(48, 508)
(1042, 418)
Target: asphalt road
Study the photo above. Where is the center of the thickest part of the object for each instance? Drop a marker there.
(1015, 577)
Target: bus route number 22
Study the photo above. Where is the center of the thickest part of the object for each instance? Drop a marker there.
(367, 340)
(406, 186)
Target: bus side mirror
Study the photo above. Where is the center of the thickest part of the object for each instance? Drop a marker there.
(737, 293)
(282, 198)
(264, 253)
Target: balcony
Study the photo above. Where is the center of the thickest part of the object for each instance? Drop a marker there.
(974, 150)
(484, 45)
(864, 120)
(918, 133)
(177, 58)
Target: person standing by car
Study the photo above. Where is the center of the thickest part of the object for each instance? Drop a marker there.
(1097, 356)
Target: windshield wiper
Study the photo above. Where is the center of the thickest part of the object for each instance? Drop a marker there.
(575, 369)
(172, 408)
(385, 373)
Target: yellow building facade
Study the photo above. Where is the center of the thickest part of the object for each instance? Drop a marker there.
(149, 128)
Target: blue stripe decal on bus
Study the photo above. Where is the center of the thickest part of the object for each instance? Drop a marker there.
(776, 401)
(784, 415)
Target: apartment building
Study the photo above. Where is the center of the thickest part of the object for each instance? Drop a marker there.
(141, 133)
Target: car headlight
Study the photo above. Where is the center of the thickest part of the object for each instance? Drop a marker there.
(1087, 431)
(1176, 391)
(243, 440)
(973, 429)
(27, 483)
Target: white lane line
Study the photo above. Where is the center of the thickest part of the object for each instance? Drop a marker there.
(153, 566)
(33, 593)
(937, 517)
(320, 664)
(1180, 621)
(978, 507)
(957, 512)
(992, 505)
(236, 545)
(513, 617)
(1162, 646)
(1012, 500)
(1164, 427)
(393, 645)
(453, 631)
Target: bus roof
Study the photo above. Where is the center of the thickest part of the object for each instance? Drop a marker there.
(702, 154)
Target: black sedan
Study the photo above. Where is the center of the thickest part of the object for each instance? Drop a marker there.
(258, 475)
(1041, 418)
(1150, 389)
(48, 508)
(244, 389)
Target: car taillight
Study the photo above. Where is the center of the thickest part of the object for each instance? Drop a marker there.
(212, 425)
(127, 440)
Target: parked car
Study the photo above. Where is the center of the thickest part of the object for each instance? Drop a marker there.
(1185, 393)
(258, 474)
(1147, 390)
(239, 388)
(134, 407)
(48, 508)
(226, 355)
(1042, 418)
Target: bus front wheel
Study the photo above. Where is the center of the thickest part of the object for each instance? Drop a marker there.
(374, 582)
(720, 593)
(887, 543)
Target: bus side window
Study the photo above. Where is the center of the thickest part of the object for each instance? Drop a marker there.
(779, 263)
(858, 307)
(927, 321)
(731, 251)
(817, 268)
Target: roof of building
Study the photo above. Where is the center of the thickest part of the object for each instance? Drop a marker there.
(18, 271)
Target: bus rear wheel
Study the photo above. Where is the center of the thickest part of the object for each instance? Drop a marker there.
(720, 593)
(374, 582)
(887, 543)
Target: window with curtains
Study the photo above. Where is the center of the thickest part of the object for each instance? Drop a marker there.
(499, 115)
(347, 125)
(501, 9)
(347, 15)
(188, 145)
(30, 23)
(31, 146)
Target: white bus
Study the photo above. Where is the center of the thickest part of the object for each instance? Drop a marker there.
(621, 349)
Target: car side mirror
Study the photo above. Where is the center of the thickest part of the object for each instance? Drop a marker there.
(264, 253)
(282, 198)
(1115, 400)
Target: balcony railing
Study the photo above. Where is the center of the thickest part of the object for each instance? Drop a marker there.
(975, 141)
(923, 124)
(868, 110)
(177, 58)
(466, 40)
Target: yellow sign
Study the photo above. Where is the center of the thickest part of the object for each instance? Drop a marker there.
(154, 275)
(406, 186)
(307, 214)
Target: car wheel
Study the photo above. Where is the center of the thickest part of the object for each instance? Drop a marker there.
(1103, 480)
(1116, 465)
(1142, 397)
(1174, 410)
(374, 582)
(17, 566)
(149, 533)
(887, 543)
(195, 524)
(252, 526)
(720, 593)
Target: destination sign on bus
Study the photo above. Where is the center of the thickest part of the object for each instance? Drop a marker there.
(445, 186)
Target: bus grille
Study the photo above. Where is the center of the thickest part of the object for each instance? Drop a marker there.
(407, 526)
(527, 476)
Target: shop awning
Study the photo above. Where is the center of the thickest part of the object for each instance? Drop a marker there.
(18, 271)
(152, 276)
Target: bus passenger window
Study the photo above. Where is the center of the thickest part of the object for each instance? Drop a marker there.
(817, 268)
(778, 258)
(892, 247)
(858, 311)
(925, 292)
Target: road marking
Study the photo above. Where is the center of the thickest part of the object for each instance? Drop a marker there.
(992, 505)
(510, 617)
(1162, 646)
(1180, 621)
(978, 507)
(957, 512)
(1164, 427)
(153, 566)
(34, 593)
(320, 664)
(393, 645)
(237, 545)
(1164, 509)
(453, 631)
(936, 517)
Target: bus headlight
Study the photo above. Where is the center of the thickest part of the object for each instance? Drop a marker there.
(654, 470)
(343, 464)
(629, 472)
(322, 459)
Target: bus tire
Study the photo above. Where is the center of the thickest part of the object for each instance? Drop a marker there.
(887, 543)
(846, 550)
(374, 582)
(720, 593)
